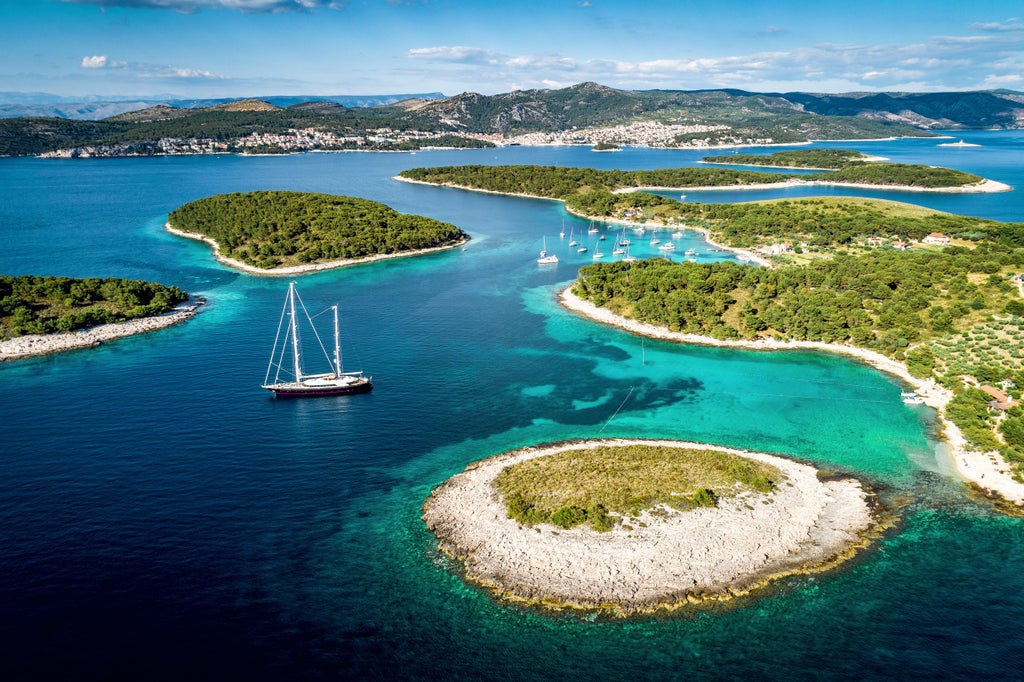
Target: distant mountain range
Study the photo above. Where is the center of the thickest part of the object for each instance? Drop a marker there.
(587, 113)
(22, 104)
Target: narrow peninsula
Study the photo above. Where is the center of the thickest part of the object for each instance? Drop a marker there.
(43, 315)
(934, 298)
(635, 526)
(285, 233)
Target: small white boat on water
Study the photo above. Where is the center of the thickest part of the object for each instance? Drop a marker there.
(667, 246)
(545, 259)
(911, 398)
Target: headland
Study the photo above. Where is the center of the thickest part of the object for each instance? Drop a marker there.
(985, 471)
(33, 345)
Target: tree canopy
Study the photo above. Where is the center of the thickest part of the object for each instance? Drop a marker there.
(269, 229)
(31, 304)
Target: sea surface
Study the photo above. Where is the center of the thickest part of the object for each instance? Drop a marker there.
(163, 517)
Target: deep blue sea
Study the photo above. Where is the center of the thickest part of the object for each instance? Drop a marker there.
(163, 517)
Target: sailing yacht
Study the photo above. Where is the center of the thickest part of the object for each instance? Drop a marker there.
(544, 257)
(335, 382)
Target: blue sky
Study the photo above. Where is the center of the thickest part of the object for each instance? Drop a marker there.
(236, 48)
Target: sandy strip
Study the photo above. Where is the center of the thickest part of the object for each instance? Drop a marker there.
(985, 186)
(675, 559)
(987, 470)
(300, 269)
(45, 344)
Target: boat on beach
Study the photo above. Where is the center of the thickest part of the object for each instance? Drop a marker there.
(301, 384)
(911, 398)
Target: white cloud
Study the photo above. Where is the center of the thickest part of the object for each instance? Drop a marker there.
(940, 63)
(457, 54)
(1013, 24)
(1013, 80)
(94, 62)
(190, 6)
(147, 71)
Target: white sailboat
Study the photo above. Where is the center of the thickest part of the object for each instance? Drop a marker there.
(335, 382)
(572, 242)
(545, 259)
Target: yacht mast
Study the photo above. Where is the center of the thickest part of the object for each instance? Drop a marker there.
(295, 331)
(337, 343)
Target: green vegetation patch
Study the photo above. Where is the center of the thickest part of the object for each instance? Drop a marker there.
(800, 158)
(912, 175)
(556, 182)
(31, 304)
(272, 229)
(848, 166)
(590, 486)
(839, 221)
(882, 300)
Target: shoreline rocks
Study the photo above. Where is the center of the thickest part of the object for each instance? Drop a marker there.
(34, 345)
(661, 561)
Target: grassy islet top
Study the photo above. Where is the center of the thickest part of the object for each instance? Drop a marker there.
(599, 484)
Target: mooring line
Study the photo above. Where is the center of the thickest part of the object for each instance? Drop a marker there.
(617, 410)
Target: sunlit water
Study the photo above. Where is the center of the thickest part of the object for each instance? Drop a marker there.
(163, 517)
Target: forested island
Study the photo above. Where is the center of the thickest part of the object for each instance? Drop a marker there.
(279, 232)
(31, 304)
(614, 193)
(846, 166)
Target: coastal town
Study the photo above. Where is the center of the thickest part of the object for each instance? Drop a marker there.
(641, 133)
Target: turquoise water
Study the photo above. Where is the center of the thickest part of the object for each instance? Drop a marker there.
(163, 517)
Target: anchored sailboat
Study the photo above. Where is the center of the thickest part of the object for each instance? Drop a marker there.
(545, 259)
(335, 382)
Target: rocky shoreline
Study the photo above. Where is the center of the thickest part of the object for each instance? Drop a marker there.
(34, 345)
(661, 561)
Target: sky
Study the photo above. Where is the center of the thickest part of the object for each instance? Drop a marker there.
(251, 48)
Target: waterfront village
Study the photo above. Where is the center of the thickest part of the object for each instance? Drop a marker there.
(645, 133)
